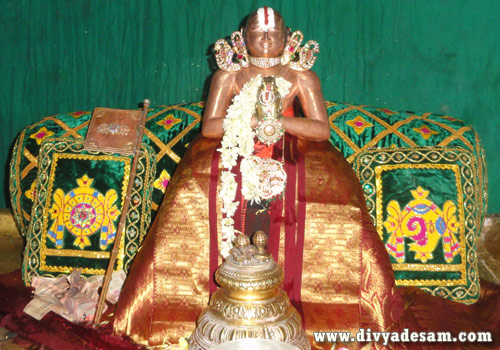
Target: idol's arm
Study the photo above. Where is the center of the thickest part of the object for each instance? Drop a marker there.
(315, 126)
(219, 98)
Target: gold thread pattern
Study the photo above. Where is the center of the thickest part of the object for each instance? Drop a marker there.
(15, 183)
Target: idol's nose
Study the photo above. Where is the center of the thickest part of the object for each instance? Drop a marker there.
(266, 39)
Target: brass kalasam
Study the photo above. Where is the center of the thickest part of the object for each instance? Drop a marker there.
(249, 303)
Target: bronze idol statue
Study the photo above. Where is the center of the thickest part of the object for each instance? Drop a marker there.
(262, 163)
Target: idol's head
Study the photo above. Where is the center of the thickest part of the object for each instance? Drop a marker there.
(265, 33)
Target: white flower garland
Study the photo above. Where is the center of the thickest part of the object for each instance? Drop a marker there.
(238, 141)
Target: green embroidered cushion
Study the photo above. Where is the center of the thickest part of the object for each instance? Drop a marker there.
(427, 207)
(169, 129)
(78, 199)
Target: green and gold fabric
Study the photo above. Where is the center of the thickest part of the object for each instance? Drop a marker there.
(169, 129)
(355, 130)
(427, 208)
(78, 198)
(424, 178)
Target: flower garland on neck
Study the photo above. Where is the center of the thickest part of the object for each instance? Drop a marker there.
(238, 141)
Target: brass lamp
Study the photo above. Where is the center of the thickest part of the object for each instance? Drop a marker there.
(249, 303)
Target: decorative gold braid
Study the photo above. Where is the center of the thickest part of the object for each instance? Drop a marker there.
(17, 174)
(158, 113)
(339, 132)
(64, 127)
(477, 200)
(70, 253)
(334, 116)
(389, 129)
(77, 128)
(164, 149)
(483, 178)
(344, 137)
(424, 267)
(137, 225)
(188, 128)
(43, 120)
(455, 134)
(33, 163)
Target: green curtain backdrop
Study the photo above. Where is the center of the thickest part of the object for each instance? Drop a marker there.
(421, 55)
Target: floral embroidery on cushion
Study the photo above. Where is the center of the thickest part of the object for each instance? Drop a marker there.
(359, 124)
(169, 121)
(41, 135)
(425, 131)
(161, 183)
(31, 193)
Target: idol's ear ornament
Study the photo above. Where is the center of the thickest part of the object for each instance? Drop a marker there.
(240, 48)
(306, 56)
(291, 48)
(299, 58)
(232, 58)
(224, 56)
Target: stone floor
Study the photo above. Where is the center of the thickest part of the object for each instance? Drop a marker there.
(11, 246)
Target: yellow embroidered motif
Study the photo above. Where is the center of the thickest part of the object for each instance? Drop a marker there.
(83, 211)
(31, 193)
(169, 121)
(423, 222)
(425, 131)
(359, 124)
(41, 135)
(162, 182)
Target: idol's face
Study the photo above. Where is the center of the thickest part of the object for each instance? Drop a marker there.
(268, 42)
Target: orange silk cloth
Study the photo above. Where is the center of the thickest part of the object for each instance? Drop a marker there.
(347, 280)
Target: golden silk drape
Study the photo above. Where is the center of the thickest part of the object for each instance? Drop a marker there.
(347, 280)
